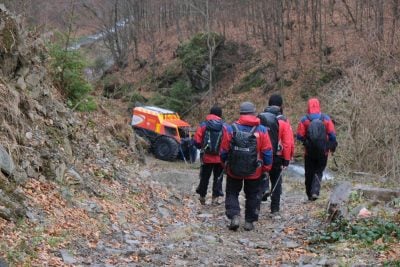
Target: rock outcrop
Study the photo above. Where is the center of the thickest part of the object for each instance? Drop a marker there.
(39, 137)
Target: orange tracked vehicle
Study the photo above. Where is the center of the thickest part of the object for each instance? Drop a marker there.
(168, 134)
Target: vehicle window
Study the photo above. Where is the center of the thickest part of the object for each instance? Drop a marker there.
(170, 131)
(183, 132)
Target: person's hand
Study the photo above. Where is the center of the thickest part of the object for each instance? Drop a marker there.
(285, 164)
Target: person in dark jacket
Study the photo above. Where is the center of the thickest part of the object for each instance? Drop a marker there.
(247, 122)
(314, 167)
(283, 150)
(210, 162)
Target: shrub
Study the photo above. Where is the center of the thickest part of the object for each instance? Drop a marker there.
(178, 98)
(68, 75)
(194, 53)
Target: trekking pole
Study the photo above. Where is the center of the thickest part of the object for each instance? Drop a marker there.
(277, 181)
(183, 155)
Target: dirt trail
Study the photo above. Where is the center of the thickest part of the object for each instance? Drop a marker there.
(207, 241)
(177, 231)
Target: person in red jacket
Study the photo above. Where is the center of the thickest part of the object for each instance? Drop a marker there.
(250, 161)
(315, 165)
(281, 135)
(208, 138)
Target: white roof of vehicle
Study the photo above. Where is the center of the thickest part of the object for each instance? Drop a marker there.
(160, 110)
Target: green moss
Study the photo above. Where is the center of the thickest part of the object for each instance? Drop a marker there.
(315, 79)
(284, 83)
(253, 79)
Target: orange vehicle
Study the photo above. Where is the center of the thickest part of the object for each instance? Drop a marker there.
(168, 134)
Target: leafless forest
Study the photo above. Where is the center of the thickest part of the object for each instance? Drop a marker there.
(361, 37)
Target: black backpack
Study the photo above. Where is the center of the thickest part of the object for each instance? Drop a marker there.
(212, 137)
(242, 156)
(270, 120)
(316, 142)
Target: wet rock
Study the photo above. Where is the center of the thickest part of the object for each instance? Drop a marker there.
(21, 83)
(6, 162)
(33, 79)
(91, 206)
(139, 234)
(291, 244)
(244, 241)
(75, 177)
(263, 245)
(210, 238)
(113, 251)
(163, 211)
(205, 215)
(67, 257)
(135, 243)
(20, 177)
(36, 216)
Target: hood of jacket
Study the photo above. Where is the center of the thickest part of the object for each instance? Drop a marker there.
(313, 106)
(249, 120)
(213, 122)
(274, 110)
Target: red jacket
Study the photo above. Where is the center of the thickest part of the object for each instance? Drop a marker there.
(199, 135)
(286, 139)
(314, 111)
(264, 147)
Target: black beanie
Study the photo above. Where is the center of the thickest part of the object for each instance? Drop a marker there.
(275, 100)
(217, 111)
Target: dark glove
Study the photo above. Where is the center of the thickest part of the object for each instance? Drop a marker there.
(285, 163)
(332, 146)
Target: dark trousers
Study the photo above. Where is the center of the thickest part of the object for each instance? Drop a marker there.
(205, 173)
(276, 183)
(252, 194)
(314, 169)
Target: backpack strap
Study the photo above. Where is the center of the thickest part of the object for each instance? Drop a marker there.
(281, 117)
(321, 117)
(235, 128)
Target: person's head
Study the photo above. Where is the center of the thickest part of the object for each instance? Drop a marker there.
(275, 100)
(247, 108)
(216, 110)
(313, 106)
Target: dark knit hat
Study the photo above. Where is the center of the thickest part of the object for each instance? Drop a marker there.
(247, 108)
(275, 100)
(216, 110)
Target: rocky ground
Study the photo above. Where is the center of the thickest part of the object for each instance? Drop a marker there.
(177, 231)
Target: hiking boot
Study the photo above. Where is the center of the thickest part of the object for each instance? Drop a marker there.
(314, 197)
(234, 223)
(215, 201)
(248, 226)
(274, 211)
(202, 200)
(265, 196)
